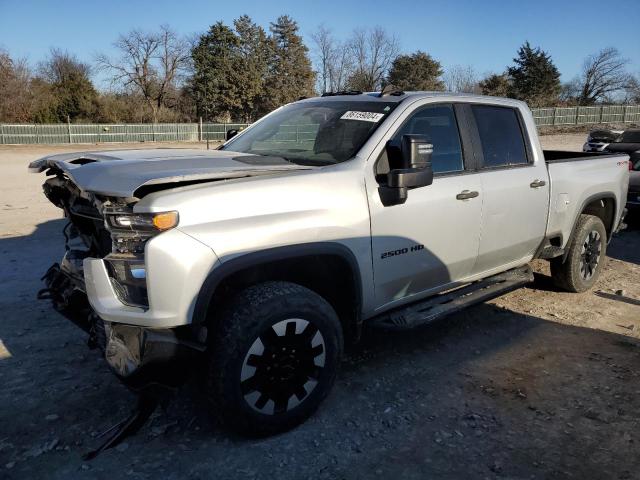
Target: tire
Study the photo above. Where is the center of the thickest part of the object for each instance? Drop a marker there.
(585, 258)
(274, 358)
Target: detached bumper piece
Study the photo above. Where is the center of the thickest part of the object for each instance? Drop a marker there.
(67, 296)
(144, 358)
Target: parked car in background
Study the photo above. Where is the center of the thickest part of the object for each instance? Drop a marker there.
(598, 140)
(629, 143)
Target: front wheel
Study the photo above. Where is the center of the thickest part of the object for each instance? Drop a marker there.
(585, 257)
(274, 358)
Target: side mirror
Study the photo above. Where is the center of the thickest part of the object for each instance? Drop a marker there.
(410, 167)
(230, 134)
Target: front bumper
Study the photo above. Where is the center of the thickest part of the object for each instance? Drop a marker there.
(143, 357)
(140, 357)
(176, 268)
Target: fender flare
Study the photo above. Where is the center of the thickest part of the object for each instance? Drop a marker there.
(587, 201)
(270, 255)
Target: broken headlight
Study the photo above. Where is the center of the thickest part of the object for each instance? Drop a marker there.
(153, 222)
(129, 280)
(126, 265)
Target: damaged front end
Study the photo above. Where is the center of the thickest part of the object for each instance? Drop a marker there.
(107, 228)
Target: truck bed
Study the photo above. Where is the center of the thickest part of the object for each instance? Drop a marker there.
(556, 156)
(579, 178)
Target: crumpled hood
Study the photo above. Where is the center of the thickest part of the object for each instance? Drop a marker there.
(119, 173)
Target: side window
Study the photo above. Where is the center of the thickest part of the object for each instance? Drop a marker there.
(500, 135)
(439, 124)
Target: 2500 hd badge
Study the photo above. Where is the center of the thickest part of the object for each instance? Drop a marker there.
(401, 251)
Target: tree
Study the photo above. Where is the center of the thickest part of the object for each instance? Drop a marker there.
(216, 78)
(496, 85)
(461, 79)
(15, 92)
(373, 53)
(632, 90)
(150, 63)
(325, 52)
(290, 75)
(70, 81)
(534, 78)
(253, 64)
(603, 74)
(417, 71)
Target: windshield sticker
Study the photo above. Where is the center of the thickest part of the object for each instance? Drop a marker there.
(362, 116)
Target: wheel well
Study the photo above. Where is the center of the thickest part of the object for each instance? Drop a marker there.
(330, 276)
(605, 210)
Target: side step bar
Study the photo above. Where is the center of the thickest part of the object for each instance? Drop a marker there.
(434, 308)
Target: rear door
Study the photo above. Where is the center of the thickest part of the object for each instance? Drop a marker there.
(515, 188)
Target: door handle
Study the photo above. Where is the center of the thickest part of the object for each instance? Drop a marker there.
(537, 183)
(466, 194)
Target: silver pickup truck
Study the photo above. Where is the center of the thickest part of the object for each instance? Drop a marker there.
(251, 264)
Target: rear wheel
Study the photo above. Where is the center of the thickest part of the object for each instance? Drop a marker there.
(274, 358)
(585, 257)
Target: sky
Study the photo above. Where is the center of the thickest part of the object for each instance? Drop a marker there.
(484, 34)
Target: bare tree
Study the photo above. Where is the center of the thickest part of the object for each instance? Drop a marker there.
(373, 53)
(15, 92)
(632, 90)
(334, 62)
(324, 46)
(341, 67)
(461, 79)
(151, 63)
(603, 74)
(60, 65)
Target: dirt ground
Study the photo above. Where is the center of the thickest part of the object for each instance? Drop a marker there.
(535, 384)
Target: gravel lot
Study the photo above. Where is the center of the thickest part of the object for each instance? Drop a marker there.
(535, 384)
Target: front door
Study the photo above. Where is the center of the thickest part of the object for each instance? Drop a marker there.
(432, 239)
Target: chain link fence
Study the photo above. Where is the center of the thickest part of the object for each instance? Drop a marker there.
(193, 132)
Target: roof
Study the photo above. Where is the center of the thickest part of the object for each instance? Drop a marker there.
(375, 96)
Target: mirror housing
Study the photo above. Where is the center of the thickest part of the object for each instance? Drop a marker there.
(410, 167)
(230, 134)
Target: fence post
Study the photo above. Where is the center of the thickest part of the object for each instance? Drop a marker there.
(2, 133)
(153, 131)
(624, 114)
(555, 115)
(69, 128)
(200, 130)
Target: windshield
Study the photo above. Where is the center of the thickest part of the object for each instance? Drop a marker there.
(314, 133)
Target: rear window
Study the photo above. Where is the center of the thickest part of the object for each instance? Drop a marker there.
(500, 135)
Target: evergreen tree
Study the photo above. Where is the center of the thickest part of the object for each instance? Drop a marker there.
(534, 78)
(496, 85)
(418, 71)
(217, 78)
(253, 61)
(290, 75)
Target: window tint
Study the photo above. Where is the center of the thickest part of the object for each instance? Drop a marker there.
(500, 134)
(438, 123)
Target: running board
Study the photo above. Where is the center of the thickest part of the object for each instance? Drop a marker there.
(444, 304)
